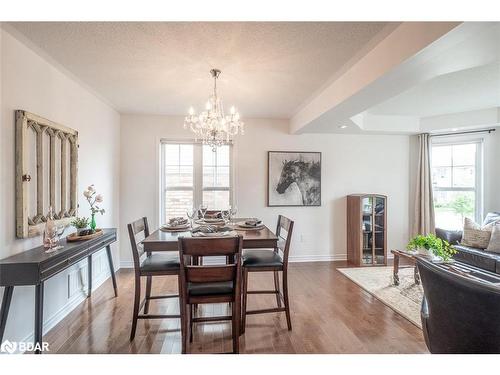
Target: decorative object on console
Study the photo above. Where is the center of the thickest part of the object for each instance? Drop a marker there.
(93, 198)
(367, 229)
(58, 161)
(294, 178)
(52, 233)
(80, 223)
(476, 235)
(212, 126)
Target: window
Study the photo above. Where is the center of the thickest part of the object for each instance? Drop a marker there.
(456, 181)
(192, 174)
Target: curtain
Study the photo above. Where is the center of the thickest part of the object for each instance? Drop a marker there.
(423, 221)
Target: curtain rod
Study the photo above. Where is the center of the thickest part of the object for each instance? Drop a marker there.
(462, 133)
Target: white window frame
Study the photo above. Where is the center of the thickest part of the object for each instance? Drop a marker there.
(197, 174)
(479, 167)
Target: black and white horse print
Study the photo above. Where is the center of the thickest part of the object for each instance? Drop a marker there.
(299, 180)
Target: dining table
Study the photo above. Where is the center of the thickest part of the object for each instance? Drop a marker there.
(162, 240)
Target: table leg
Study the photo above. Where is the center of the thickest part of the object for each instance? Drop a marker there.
(38, 317)
(112, 269)
(416, 275)
(89, 275)
(7, 297)
(395, 272)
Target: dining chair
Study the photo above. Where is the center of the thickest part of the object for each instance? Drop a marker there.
(208, 284)
(269, 261)
(149, 265)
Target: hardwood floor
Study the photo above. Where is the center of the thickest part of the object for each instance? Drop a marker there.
(330, 314)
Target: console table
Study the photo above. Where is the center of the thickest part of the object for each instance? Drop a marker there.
(33, 267)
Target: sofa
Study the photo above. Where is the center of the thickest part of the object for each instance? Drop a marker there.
(452, 326)
(476, 257)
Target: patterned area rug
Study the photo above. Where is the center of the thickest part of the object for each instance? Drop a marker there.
(405, 298)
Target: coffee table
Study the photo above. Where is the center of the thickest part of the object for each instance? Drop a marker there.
(413, 264)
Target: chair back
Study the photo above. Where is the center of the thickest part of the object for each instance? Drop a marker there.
(459, 314)
(207, 247)
(137, 231)
(284, 231)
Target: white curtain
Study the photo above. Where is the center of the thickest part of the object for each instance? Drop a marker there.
(423, 222)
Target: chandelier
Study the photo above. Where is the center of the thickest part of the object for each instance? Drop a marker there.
(211, 126)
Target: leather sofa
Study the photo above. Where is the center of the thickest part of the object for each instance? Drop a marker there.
(458, 313)
(476, 257)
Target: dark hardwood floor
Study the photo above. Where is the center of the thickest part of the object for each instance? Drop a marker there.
(330, 314)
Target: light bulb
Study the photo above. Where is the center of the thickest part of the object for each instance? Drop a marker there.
(191, 111)
(233, 110)
(208, 106)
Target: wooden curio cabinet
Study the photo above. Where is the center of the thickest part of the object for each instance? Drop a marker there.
(367, 229)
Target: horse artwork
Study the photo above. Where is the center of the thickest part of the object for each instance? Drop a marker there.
(294, 178)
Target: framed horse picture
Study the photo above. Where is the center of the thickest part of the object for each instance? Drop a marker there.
(294, 178)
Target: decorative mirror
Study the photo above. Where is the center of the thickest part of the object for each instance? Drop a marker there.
(46, 173)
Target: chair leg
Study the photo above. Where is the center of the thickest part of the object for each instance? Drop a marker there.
(137, 301)
(149, 281)
(190, 313)
(236, 316)
(285, 298)
(182, 313)
(277, 288)
(244, 301)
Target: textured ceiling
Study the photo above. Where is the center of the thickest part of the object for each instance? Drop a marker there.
(268, 69)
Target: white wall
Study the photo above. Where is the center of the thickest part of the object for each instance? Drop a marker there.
(30, 82)
(350, 164)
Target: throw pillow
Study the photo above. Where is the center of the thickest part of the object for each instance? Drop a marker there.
(494, 244)
(475, 236)
(492, 217)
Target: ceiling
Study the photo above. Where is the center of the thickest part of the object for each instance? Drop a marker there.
(268, 69)
(460, 91)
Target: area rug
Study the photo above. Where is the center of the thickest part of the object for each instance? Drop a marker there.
(405, 298)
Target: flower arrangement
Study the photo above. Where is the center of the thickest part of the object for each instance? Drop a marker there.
(80, 222)
(431, 243)
(94, 199)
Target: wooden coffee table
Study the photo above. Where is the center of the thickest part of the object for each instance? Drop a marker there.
(413, 263)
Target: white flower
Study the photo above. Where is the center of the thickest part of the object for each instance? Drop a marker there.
(87, 193)
(91, 188)
(98, 198)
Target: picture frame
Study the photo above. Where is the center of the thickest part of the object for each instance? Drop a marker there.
(293, 179)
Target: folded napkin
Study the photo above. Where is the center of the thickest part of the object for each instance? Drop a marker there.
(176, 221)
(215, 215)
(253, 222)
(210, 229)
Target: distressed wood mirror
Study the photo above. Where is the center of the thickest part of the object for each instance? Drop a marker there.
(46, 173)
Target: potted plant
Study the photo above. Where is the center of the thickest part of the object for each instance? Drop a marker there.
(431, 246)
(80, 223)
(93, 198)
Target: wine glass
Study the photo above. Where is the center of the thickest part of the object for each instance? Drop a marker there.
(203, 210)
(233, 210)
(191, 213)
(226, 215)
(50, 238)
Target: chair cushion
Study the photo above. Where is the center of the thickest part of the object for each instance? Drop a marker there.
(210, 289)
(160, 262)
(261, 258)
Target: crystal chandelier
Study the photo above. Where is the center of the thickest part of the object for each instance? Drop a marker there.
(211, 126)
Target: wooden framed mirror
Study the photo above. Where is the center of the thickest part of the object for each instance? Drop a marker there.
(46, 173)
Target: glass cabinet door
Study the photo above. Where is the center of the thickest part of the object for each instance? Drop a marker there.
(367, 227)
(378, 230)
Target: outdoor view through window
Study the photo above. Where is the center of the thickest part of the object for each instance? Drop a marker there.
(455, 183)
(194, 174)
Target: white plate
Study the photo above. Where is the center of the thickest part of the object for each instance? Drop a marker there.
(246, 226)
(178, 227)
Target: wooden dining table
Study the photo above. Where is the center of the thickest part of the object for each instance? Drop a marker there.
(161, 240)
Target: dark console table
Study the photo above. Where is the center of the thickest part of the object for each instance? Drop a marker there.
(33, 267)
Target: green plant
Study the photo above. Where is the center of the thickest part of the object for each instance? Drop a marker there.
(430, 242)
(80, 222)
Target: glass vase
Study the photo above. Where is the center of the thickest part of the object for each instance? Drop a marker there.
(93, 224)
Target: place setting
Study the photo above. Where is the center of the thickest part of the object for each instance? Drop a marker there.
(176, 224)
(249, 224)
